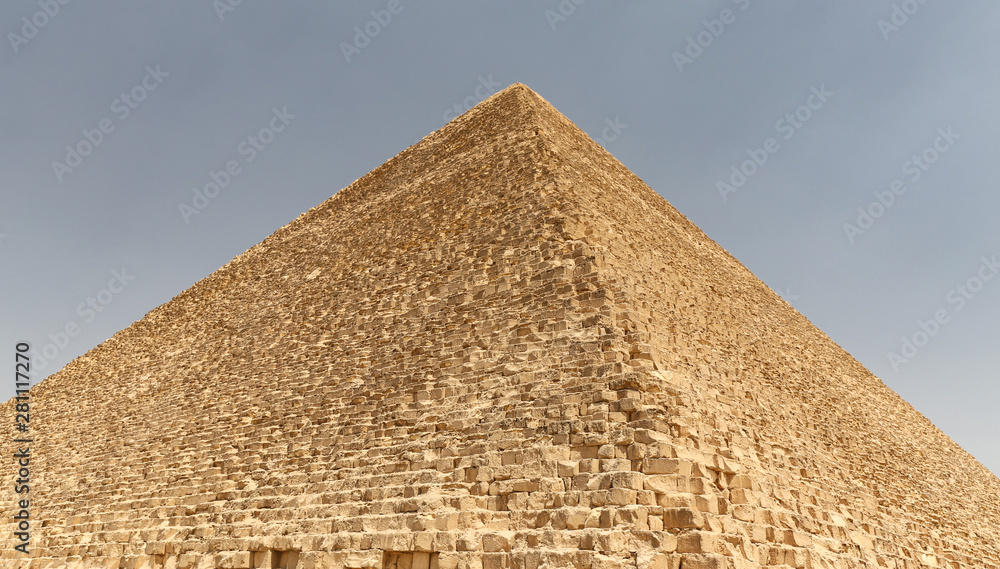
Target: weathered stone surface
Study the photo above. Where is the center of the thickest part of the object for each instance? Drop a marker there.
(498, 350)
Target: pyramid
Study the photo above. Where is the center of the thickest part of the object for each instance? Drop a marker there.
(498, 350)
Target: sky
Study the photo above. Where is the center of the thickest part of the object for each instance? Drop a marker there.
(845, 152)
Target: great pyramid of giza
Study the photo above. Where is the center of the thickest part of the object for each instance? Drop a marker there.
(498, 350)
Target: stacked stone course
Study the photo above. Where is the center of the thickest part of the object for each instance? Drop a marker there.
(498, 350)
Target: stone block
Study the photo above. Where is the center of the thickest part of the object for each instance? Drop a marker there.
(682, 518)
(666, 466)
(666, 483)
(493, 542)
(233, 560)
(698, 542)
(569, 468)
(663, 561)
(629, 480)
(704, 561)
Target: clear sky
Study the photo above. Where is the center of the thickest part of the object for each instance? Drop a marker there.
(846, 152)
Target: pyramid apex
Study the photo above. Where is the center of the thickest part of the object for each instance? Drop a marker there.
(526, 93)
(519, 87)
(514, 97)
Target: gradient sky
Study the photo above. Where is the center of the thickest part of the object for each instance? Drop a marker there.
(838, 103)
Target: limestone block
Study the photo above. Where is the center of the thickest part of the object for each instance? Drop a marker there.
(575, 518)
(682, 518)
(635, 517)
(698, 542)
(423, 541)
(630, 480)
(742, 496)
(740, 481)
(745, 513)
(446, 561)
(569, 468)
(666, 483)
(615, 464)
(154, 548)
(600, 561)
(468, 542)
(704, 561)
(361, 559)
(621, 497)
(663, 561)
(666, 466)
(321, 560)
(645, 497)
(493, 542)
(233, 560)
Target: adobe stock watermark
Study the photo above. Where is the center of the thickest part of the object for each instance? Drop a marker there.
(714, 28)
(122, 108)
(364, 34)
(223, 7)
(612, 131)
(899, 17)
(786, 126)
(913, 169)
(31, 25)
(787, 295)
(249, 149)
(958, 297)
(87, 310)
(484, 89)
(566, 9)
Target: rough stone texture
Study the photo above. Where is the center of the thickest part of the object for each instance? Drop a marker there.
(498, 350)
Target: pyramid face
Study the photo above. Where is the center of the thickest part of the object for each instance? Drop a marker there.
(499, 349)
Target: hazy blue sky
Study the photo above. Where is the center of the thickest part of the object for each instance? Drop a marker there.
(889, 106)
